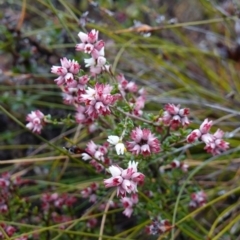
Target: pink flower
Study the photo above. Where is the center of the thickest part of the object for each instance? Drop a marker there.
(174, 116)
(126, 86)
(66, 71)
(96, 151)
(214, 142)
(198, 199)
(216, 145)
(123, 179)
(10, 230)
(181, 165)
(98, 100)
(90, 43)
(143, 142)
(128, 203)
(36, 121)
(201, 133)
(92, 222)
(96, 64)
(158, 227)
(139, 105)
(81, 116)
(90, 192)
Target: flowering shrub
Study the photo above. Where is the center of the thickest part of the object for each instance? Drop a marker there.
(136, 145)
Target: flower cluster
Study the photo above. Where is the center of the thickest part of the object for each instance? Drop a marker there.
(60, 218)
(214, 142)
(174, 116)
(98, 100)
(128, 203)
(91, 222)
(158, 227)
(198, 199)
(125, 86)
(56, 200)
(7, 186)
(90, 192)
(93, 98)
(126, 180)
(97, 154)
(36, 121)
(177, 164)
(90, 101)
(66, 72)
(91, 45)
(138, 97)
(9, 230)
(143, 142)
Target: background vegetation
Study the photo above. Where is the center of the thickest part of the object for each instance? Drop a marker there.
(192, 58)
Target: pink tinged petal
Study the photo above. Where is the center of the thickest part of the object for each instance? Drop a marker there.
(95, 54)
(207, 138)
(126, 202)
(193, 136)
(127, 173)
(184, 112)
(136, 149)
(138, 178)
(134, 198)
(128, 186)
(69, 78)
(128, 212)
(145, 150)
(121, 191)
(74, 68)
(113, 181)
(91, 147)
(83, 37)
(172, 109)
(80, 47)
(95, 70)
(99, 45)
(205, 126)
(93, 36)
(83, 79)
(185, 121)
(218, 134)
(65, 62)
(137, 134)
(60, 80)
(59, 70)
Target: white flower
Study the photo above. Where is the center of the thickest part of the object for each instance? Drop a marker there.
(119, 146)
(113, 139)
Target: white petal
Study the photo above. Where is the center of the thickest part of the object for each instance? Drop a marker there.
(115, 171)
(120, 148)
(113, 139)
